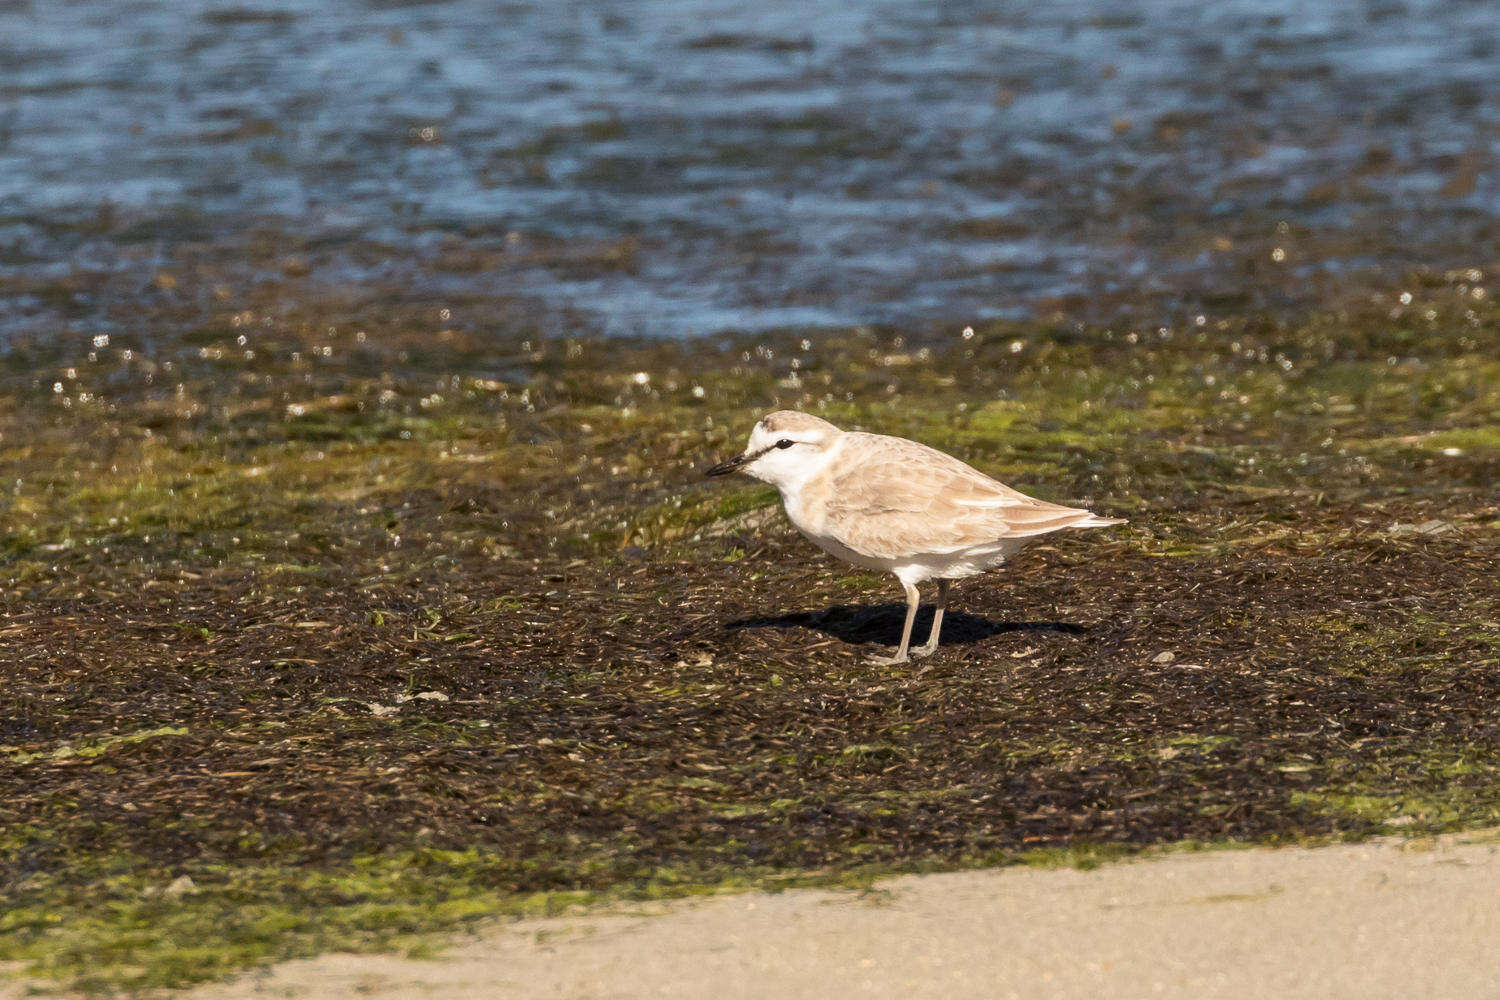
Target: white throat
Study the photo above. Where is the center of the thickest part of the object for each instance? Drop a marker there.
(790, 470)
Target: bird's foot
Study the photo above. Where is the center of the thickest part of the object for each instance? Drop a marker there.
(887, 661)
(926, 650)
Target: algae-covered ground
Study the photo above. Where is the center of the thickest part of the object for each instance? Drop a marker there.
(334, 630)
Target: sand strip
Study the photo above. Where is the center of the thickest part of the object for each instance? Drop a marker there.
(1390, 919)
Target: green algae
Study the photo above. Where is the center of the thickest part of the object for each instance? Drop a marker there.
(88, 748)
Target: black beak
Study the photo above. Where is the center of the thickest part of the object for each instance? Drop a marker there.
(725, 468)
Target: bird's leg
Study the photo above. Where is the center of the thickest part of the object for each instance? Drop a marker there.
(930, 646)
(912, 600)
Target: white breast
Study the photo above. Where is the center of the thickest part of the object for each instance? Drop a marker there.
(804, 502)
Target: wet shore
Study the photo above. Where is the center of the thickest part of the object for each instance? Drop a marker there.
(358, 579)
(367, 623)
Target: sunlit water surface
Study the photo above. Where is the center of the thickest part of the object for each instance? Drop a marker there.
(680, 168)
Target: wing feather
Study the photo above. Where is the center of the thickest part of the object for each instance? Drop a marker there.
(890, 497)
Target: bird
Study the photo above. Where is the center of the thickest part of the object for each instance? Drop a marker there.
(894, 505)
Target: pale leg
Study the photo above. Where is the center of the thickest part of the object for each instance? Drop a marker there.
(912, 600)
(930, 647)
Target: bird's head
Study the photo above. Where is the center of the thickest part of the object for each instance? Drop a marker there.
(785, 447)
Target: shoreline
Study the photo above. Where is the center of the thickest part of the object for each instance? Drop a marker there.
(1383, 918)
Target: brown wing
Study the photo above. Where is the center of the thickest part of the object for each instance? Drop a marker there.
(891, 497)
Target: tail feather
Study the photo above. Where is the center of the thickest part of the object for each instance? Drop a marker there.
(1044, 521)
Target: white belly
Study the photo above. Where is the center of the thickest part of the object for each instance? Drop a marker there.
(835, 548)
(917, 567)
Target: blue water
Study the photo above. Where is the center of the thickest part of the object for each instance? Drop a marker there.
(680, 168)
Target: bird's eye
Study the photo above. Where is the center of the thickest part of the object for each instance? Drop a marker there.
(785, 443)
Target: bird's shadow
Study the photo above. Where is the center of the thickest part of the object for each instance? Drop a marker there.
(881, 623)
